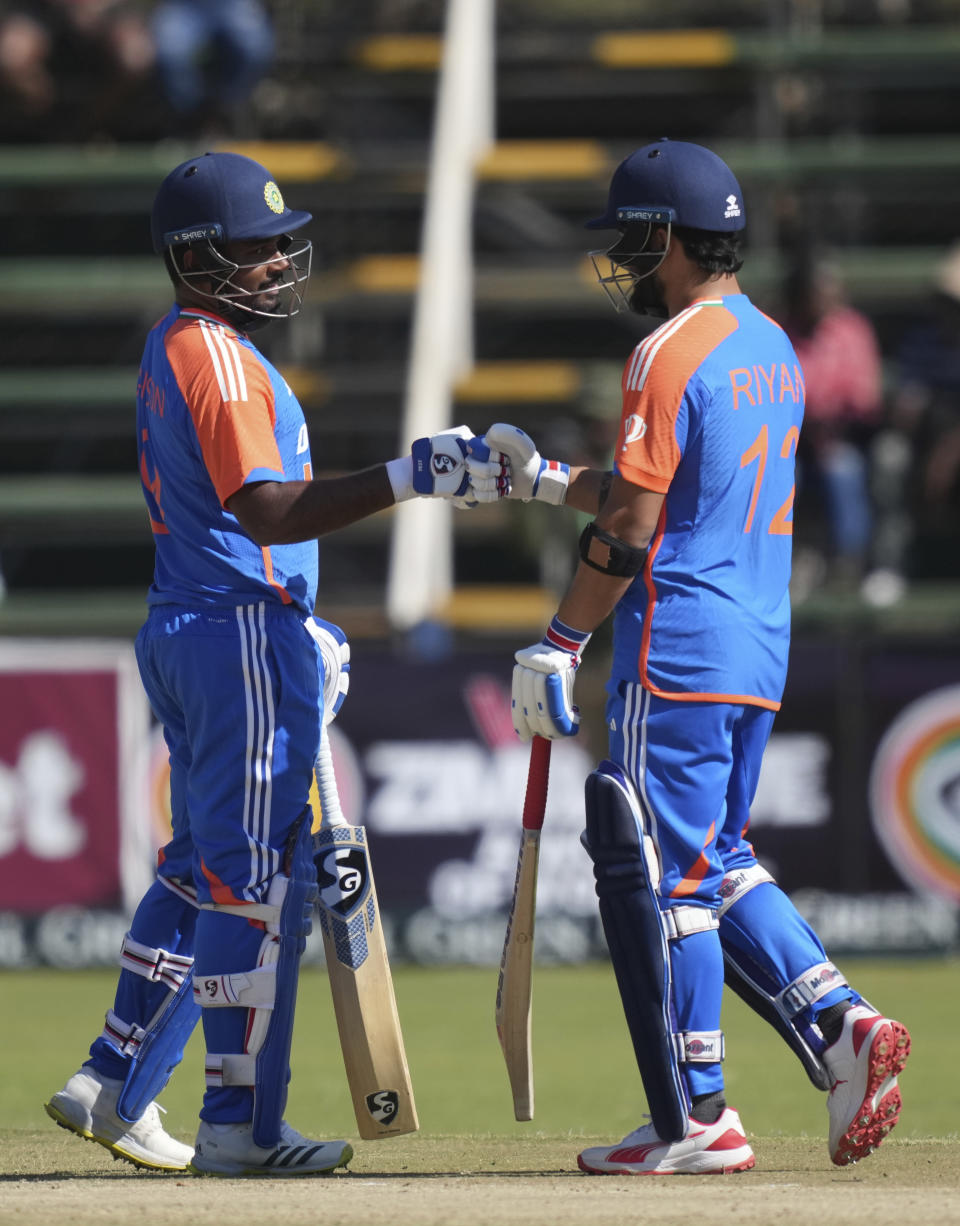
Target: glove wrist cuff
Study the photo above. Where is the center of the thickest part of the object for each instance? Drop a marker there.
(400, 473)
(565, 638)
(552, 482)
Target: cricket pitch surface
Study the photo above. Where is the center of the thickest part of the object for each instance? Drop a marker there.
(432, 1180)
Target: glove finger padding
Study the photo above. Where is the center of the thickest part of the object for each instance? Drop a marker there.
(542, 702)
(335, 653)
(530, 475)
(522, 455)
(489, 472)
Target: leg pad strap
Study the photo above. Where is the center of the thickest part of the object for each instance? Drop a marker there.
(157, 965)
(231, 1069)
(740, 882)
(126, 1037)
(698, 1046)
(684, 921)
(808, 988)
(248, 989)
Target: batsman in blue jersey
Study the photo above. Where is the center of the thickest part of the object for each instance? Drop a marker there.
(243, 679)
(689, 550)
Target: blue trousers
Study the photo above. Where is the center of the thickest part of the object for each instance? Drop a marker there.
(696, 766)
(239, 692)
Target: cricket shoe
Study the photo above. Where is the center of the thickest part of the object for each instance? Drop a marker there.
(707, 1149)
(229, 1149)
(87, 1105)
(864, 1101)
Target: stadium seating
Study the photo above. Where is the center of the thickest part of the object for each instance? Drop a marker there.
(843, 130)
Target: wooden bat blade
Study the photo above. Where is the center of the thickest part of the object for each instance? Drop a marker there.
(515, 983)
(362, 985)
(514, 986)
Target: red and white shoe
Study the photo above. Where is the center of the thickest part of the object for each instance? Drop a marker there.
(707, 1149)
(864, 1100)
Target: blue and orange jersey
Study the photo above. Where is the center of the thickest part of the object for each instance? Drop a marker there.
(214, 415)
(712, 406)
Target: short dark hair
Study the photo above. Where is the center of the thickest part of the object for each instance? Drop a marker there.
(170, 264)
(710, 250)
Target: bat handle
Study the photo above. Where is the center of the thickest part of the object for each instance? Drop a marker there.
(332, 814)
(538, 774)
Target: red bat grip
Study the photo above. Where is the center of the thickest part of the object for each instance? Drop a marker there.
(535, 800)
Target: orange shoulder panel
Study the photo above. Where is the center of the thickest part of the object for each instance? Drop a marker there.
(230, 399)
(654, 381)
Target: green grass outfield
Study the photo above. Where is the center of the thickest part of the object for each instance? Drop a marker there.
(586, 1079)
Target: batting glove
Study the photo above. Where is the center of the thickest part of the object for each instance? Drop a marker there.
(531, 476)
(335, 653)
(435, 468)
(489, 472)
(542, 701)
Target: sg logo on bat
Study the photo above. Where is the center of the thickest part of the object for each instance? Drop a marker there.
(383, 1105)
(342, 872)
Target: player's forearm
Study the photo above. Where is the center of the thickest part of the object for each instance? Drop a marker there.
(283, 512)
(626, 518)
(584, 493)
(591, 598)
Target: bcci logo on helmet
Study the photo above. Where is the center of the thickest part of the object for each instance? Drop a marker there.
(271, 193)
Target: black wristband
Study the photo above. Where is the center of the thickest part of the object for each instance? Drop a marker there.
(609, 554)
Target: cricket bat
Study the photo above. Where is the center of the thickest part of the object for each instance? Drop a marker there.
(514, 986)
(359, 971)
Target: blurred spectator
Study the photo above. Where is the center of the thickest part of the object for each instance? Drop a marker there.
(840, 357)
(925, 416)
(68, 66)
(210, 56)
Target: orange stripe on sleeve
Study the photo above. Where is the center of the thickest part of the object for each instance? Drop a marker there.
(654, 381)
(230, 399)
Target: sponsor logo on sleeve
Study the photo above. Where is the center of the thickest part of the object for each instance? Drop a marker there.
(634, 428)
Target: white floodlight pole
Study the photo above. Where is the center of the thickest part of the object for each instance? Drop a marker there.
(421, 556)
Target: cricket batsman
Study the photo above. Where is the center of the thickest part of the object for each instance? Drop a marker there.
(241, 676)
(689, 549)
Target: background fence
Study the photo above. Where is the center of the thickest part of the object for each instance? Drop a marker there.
(840, 121)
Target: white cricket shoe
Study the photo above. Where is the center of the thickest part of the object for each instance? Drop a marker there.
(87, 1105)
(229, 1149)
(864, 1101)
(707, 1149)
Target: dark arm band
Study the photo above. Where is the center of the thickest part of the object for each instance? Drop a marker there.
(609, 554)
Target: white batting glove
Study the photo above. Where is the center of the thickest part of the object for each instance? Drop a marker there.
(435, 468)
(335, 652)
(542, 701)
(531, 476)
(489, 472)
